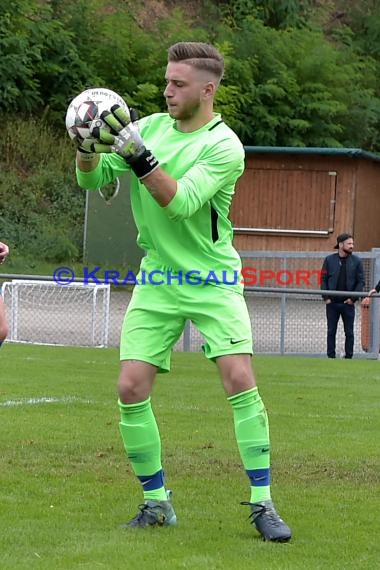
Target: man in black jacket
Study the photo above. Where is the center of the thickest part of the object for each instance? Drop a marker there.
(341, 271)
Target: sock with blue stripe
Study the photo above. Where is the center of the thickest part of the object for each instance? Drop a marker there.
(142, 443)
(252, 436)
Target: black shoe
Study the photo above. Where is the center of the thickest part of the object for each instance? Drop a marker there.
(153, 513)
(331, 356)
(267, 521)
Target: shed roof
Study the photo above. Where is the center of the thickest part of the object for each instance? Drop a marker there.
(346, 152)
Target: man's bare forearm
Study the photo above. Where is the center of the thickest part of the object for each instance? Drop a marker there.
(87, 163)
(161, 186)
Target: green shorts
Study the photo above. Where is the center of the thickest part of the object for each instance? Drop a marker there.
(156, 317)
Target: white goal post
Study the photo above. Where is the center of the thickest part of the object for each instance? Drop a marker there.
(44, 312)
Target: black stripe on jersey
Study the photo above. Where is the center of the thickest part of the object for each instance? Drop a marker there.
(216, 124)
(214, 225)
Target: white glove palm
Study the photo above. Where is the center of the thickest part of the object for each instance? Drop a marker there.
(124, 138)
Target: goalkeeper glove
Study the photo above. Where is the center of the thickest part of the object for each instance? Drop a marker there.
(124, 139)
(85, 154)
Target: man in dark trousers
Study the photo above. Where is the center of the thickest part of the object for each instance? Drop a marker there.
(341, 271)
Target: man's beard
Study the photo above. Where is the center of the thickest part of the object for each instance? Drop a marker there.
(188, 112)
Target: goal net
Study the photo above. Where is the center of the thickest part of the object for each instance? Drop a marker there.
(43, 312)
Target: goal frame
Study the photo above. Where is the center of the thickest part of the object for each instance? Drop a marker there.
(14, 286)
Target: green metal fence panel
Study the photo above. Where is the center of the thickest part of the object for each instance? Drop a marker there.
(110, 232)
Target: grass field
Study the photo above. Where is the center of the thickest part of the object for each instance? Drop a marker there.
(66, 486)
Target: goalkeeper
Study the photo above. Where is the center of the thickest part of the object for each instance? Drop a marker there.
(184, 165)
(4, 251)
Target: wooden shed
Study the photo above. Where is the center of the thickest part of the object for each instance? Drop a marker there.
(300, 199)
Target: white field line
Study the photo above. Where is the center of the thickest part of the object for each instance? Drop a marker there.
(43, 400)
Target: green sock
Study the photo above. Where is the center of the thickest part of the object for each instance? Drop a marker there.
(252, 436)
(142, 443)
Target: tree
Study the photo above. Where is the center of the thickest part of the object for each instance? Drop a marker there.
(297, 89)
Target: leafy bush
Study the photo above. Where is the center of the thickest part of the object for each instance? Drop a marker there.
(39, 197)
(54, 244)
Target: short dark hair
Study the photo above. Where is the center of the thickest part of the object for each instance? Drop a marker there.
(200, 55)
(341, 238)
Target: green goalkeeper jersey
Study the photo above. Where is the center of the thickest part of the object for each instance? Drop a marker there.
(192, 235)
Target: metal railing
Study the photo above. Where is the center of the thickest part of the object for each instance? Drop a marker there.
(285, 320)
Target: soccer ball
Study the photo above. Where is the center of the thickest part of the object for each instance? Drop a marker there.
(87, 107)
